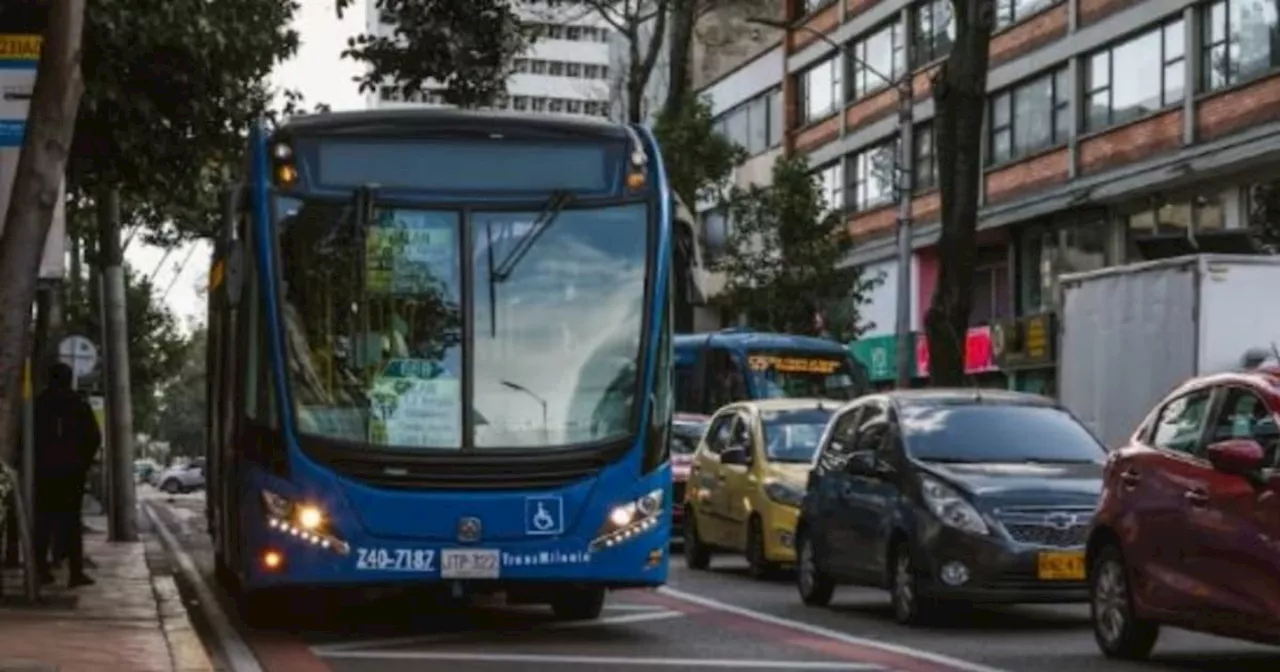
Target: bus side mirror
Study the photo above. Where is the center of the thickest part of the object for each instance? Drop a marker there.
(235, 272)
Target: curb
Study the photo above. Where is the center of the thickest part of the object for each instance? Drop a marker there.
(186, 651)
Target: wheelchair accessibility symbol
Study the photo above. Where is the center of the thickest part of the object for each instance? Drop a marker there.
(544, 515)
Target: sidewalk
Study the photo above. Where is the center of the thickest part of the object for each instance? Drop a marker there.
(132, 619)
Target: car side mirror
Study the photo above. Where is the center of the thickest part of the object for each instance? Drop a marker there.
(1237, 456)
(735, 455)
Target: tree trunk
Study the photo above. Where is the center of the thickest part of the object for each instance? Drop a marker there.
(680, 77)
(121, 509)
(959, 92)
(36, 187)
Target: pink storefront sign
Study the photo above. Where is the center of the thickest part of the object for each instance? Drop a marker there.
(978, 355)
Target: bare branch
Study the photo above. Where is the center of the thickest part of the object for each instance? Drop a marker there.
(607, 11)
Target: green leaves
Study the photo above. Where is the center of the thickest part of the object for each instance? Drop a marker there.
(170, 89)
(699, 160)
(785, 255)
(464, 46)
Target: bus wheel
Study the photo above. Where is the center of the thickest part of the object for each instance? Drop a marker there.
(578, 604)
(222, 572)
(261, 608)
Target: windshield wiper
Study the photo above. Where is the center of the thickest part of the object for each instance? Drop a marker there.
(502, 272)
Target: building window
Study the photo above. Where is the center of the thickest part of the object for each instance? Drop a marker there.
(933, 31)
(757, 125)
(925, 160)
(875, 57)
(775, 118)
(872, 176)
(1047, 252)
(807, 7)
(715, 234)
(1031, 117)
(1185, 218)
(1135, 78)
(820, 91)
(831, 184)
(1009, 12)
(1241, 41)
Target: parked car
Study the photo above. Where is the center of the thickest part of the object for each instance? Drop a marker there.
(182, 478)
(944, 496)
(1188, 529)
(747, 479)
(686, 431)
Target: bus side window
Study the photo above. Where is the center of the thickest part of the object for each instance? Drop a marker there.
(686, 399)
(258, 397)
(725, 380)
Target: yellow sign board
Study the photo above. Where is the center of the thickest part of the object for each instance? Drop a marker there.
(20, 47)
(217, 274)
(794, 364)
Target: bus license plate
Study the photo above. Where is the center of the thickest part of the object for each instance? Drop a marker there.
(469, 563)
(395, 560)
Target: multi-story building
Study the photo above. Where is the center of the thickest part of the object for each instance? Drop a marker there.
(1116, 131)
(739, 67)
(570, 69)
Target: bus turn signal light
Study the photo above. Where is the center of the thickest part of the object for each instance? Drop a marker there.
(286, 175)
(635, 181)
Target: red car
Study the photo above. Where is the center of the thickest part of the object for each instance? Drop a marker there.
(1187, 533)
(686, 432)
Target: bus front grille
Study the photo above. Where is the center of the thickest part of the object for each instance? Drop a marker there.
(473, 476)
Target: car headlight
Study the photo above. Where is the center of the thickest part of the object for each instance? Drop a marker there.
(303, 521)
(783, 493)
(951, 508)
(629, 520)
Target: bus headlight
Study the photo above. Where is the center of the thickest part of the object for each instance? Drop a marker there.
(628, 520)
(304, 522)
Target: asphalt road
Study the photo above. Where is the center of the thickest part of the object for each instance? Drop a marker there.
(704, 620)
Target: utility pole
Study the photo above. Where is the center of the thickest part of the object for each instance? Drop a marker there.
(118, 461)
(902, 170)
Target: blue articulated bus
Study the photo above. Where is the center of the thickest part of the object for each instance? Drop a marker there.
(722, 367)
(440, 355)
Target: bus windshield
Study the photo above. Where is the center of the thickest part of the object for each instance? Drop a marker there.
(375, 324)
(784, 374)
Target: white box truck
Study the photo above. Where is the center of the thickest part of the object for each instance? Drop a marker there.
(1129, 334)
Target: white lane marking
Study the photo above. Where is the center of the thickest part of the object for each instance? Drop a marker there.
(618, 620)
(344, 648)
(235, 651)
(634, 607)
(801, 626)
(612, 660)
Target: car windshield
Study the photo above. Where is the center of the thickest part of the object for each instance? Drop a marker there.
(793, 436)
(685, 437)
(375, 332)
(794, 375)
(996, 433)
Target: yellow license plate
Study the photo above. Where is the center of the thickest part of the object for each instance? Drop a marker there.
(1061, 566)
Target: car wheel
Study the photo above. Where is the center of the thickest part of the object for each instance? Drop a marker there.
(171, 486)
(815, 587)
(697, 555)
(1117, 629)
(758, 565)
(908, 608)
(578, 604)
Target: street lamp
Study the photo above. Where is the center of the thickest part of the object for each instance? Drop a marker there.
(903, 172)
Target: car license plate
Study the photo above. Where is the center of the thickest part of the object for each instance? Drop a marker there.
(1064, 566)
(469, 563)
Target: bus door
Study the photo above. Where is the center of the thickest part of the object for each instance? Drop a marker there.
(725, 381)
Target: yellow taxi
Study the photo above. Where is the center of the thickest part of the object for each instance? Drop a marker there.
(747, 478)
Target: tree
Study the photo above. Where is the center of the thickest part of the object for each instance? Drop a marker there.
(171, 88)
(156, 349)
(642, 25)
(784, 258)
(466, 47)
(701, 160)
(180, 419)
(959, 94)
(36, 186)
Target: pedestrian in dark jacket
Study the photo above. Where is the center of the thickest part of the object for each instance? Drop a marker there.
(67, 440)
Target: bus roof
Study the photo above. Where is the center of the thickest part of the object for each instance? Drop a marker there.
(408, 121)
(742, 339)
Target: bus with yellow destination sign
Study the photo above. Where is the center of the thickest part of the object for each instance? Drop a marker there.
(723, 367)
